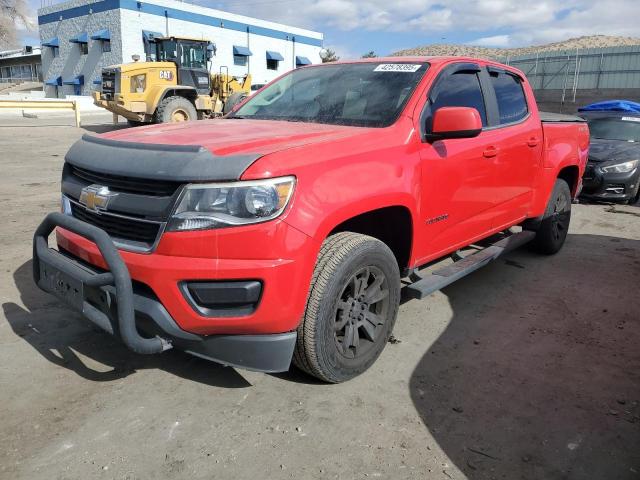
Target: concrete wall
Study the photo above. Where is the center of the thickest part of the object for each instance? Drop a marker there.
(551, 100)
(126, 19)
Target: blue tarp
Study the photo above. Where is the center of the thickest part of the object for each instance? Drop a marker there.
(82, 38)
(53, 43)
(301, 61)
(150, 36)
(241, 51)
(274, 56)
(612, 106)
(54, 81)
(103, 35)
(79, 80)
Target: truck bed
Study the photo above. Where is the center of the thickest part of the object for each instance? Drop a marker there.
(550, 117)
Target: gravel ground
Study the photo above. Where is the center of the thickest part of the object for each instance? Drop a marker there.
(527, 369)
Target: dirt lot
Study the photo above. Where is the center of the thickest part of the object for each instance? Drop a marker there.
(529, 368)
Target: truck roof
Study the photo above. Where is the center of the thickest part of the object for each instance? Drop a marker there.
(433, 60)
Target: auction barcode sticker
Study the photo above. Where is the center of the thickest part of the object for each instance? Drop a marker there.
(631, 119)
(398, 67)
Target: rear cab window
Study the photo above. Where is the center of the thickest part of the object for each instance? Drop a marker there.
(512, 102)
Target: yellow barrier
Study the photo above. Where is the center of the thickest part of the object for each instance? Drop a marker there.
(43, 105)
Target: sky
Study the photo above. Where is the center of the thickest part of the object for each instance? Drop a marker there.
(354, 27)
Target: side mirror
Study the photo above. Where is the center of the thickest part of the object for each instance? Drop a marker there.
(455, 122)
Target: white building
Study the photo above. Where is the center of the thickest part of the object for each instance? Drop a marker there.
(80, 37)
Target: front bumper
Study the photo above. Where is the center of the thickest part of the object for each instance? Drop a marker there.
(123, 110)
(109, 299)
(615, 187)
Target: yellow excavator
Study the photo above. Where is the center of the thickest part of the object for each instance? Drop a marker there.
(175, 86)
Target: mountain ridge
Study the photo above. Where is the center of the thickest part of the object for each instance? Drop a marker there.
(589, 41)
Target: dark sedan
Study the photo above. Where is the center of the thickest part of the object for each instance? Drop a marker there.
(613, 169)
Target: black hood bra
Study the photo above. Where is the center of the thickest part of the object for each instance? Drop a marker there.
(177, 163)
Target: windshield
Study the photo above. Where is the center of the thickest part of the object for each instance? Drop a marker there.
(357, 94)
(625, 128)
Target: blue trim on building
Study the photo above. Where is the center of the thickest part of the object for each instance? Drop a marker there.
(271, 55)
(97, 81)
(80, 11)
(82, 38)
(53, 43)
(302, 61)
(241, 51)
(54, 81)
(174, 13)
(78, 80)
(103, 35)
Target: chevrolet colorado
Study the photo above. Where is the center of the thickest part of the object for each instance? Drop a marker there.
(281, 233)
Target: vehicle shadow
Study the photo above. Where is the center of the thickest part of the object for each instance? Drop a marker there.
(63, 336)
(537, 375)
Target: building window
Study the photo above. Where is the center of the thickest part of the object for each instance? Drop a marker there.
(272, 64)
(55, 52)
(240, 60)
(84, 48)
(106, 46)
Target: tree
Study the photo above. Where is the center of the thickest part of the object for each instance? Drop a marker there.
(13, 13)
(327, 56)
(370, 54)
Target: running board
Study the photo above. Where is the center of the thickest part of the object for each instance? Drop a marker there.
(447, 275)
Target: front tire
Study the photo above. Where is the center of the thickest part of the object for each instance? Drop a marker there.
(233, 100)
(175, 110)
(351, 309)
(552, 230)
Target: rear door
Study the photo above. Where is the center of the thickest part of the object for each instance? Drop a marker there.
(457, 174)
(516, 133)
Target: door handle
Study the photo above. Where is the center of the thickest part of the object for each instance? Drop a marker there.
(533, 142)
(490, 152)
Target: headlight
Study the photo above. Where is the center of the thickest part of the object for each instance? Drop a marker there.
(620, 167)
(219, 205)
(138, 83)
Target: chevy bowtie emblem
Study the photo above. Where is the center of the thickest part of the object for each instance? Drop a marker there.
(96, 197)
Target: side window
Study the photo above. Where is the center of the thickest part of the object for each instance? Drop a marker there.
(462, 89)
(512, 103)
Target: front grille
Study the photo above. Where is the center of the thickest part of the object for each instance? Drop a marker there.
(156, 188)
(122, 228)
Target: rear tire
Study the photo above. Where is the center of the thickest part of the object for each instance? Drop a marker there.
(175, 110)
(551, 231)
(351, 309)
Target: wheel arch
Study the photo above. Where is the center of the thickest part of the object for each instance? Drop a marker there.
(392, 225)
(173, 91)
(571, 175)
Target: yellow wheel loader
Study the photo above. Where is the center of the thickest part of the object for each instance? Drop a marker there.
(176, 86)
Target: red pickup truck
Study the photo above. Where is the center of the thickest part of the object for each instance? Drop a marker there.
(282, 231)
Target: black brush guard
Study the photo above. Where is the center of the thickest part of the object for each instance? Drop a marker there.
(59, 275)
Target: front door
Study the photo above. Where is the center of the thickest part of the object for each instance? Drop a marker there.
(457, 174)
